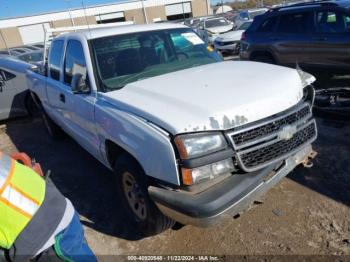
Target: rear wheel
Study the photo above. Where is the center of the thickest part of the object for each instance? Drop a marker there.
(132, 184)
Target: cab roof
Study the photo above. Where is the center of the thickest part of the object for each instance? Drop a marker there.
(120, 30)
(339, 3)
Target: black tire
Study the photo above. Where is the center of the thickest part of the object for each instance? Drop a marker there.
(54, 131)
(263, 58)
(332, 103)
(153, 221)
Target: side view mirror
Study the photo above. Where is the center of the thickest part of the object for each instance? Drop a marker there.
(78, 84)
(35, 68)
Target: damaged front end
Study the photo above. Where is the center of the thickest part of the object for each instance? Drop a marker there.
(222, 173)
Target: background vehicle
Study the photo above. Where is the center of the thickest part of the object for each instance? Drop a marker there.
(28, 53)
(315, 35)
(250, 14)
(32, 57)
(186, 142)
(211, 28)
(230, 42)
(15, 99)
(333, 103)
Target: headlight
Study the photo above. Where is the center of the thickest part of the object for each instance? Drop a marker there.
(208, 172)
(191, 147)
(196, 145)
(210, 33)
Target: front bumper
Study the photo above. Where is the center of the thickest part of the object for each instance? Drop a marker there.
(228, 198)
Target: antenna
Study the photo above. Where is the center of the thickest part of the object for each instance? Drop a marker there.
(87, 22)
(70, 13)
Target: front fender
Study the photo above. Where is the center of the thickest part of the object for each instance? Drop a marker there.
(150, 146)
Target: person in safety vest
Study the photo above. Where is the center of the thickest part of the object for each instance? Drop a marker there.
(37, 222)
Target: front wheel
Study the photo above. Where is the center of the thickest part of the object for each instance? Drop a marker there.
(132, 184)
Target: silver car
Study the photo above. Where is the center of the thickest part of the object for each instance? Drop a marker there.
(15, 99)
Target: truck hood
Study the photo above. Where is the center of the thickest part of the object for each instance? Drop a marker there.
(217, 96)
(231, 36)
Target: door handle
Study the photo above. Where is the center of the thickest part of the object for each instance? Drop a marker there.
(62, 98)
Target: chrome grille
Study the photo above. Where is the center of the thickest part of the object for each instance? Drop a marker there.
(269, 128)
(275, 151)
(275, 139)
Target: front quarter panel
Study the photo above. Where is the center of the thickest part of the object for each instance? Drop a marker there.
(150, 146)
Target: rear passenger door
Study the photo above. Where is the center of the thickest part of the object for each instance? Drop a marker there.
(331, 41)
(292, 38)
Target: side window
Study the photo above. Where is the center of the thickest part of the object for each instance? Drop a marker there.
(294, 23)
(55, 59)
(332, 22)
(74, 62)
(6, 76)
(268, 25)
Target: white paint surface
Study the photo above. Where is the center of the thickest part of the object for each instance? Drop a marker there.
(217, 96)
(32, 34)
(178, 9)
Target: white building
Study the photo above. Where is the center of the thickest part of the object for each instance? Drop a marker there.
(29, 30)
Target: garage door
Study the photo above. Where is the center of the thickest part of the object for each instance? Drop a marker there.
(110, 18)
(32, 34)
(178, 9)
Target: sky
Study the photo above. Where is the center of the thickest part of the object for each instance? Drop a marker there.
(15, 8)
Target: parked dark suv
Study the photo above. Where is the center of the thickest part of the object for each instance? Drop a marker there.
(316, 35)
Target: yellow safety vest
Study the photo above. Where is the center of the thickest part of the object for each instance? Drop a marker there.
(22, 191)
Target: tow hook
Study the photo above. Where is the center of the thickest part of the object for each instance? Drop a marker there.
(307, 162)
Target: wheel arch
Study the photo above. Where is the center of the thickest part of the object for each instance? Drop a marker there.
(115, 151)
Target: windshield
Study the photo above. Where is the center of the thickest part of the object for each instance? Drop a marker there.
(244, 26)
(123, 59)
(216, 22)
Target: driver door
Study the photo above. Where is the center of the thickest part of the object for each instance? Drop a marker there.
(79, 114)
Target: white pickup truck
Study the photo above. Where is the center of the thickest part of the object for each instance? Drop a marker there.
(191, 138)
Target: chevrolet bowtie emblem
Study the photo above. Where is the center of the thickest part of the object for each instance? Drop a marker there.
(287, 132)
